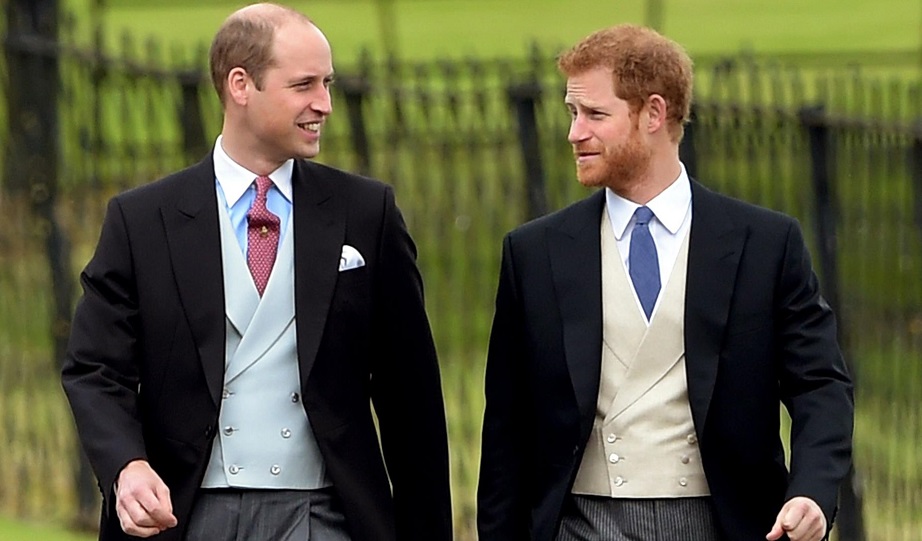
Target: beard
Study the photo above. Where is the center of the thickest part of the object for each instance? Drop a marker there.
(620, 167)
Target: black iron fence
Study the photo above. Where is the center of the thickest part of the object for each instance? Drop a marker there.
(473, 149)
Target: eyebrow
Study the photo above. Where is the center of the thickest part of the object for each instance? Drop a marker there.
(310, 79)
(583, 104)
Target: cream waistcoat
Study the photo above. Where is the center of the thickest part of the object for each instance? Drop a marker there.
(643, 442)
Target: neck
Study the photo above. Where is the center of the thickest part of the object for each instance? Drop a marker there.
(661, 173)
(246, 151)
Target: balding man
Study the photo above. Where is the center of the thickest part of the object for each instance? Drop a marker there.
(240, 317)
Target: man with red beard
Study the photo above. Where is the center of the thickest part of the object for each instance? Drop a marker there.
(645, 337)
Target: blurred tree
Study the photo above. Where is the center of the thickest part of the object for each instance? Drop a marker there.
(31, 166)
(387, 20)
(655, 14)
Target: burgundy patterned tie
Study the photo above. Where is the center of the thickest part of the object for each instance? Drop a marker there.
(262, 236)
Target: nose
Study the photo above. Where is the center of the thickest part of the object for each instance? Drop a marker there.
(323, 102)
(578, 131)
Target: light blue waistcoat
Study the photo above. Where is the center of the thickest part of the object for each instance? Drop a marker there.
(264, 437)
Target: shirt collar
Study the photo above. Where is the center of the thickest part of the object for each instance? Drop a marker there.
(236, 179)
(670, 206)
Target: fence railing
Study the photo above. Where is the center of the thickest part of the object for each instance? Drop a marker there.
(473, 149)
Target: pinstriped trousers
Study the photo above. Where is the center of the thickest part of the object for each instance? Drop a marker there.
(266, 515)
(596, 518)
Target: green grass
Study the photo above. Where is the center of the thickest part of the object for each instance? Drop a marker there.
(14, 530)
(434, 28)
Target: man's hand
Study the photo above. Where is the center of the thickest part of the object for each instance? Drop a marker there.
(142, 501)
(801, 518)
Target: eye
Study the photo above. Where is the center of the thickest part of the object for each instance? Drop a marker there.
(328, 82)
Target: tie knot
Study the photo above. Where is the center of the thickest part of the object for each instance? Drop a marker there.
(262, 186)
(259, 215)
(643, 215)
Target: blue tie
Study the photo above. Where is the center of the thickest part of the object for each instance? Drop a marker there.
(643, 262)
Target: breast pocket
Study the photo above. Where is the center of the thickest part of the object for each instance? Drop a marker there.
(353, 281)
(348, 329)
(352, 296)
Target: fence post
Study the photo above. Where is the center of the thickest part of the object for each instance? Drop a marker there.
(355, 90)
(687, 152)
(32, 28)
(31, 167)
(916, 172)
(850, 522)
(190, 115)
(524, 98)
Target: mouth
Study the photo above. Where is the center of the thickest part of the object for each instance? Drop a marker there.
(584, 156)
(311, 127)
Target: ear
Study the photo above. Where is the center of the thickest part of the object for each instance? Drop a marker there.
(237, 86)
(656, 113)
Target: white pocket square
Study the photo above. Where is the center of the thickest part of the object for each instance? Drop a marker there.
(351, 259)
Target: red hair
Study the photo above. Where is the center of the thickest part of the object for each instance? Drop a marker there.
(642, 62)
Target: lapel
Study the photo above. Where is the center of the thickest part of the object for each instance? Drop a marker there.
(193, 237)
(319, 232)
(270, 317)
(241, 298)
(715, 247)
(661, 346)
(574, 248)
(622, 330)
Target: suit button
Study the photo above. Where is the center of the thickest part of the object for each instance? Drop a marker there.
(286, 433)
(226, 393)
(685, 459)
(229, 430)
(209, 431)
(275, 470)
(611, 438)
(234, 469)
(692, 439)
(614, 458)
(295, 398)
(619, 481)
(683, 481)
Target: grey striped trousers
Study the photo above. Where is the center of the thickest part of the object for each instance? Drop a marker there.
(267, 515)
(596, 518)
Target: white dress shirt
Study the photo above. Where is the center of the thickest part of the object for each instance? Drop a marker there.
(671, 222)
(236, 189)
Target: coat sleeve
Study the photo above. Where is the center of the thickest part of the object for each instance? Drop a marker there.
(406, 389)
(100, 374)
(814, 382)
(502, 495)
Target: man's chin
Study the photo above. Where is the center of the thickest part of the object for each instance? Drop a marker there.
(589, 181)
(307, 153)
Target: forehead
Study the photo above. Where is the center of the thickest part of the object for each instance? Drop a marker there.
(591, 86)
(301, 45)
